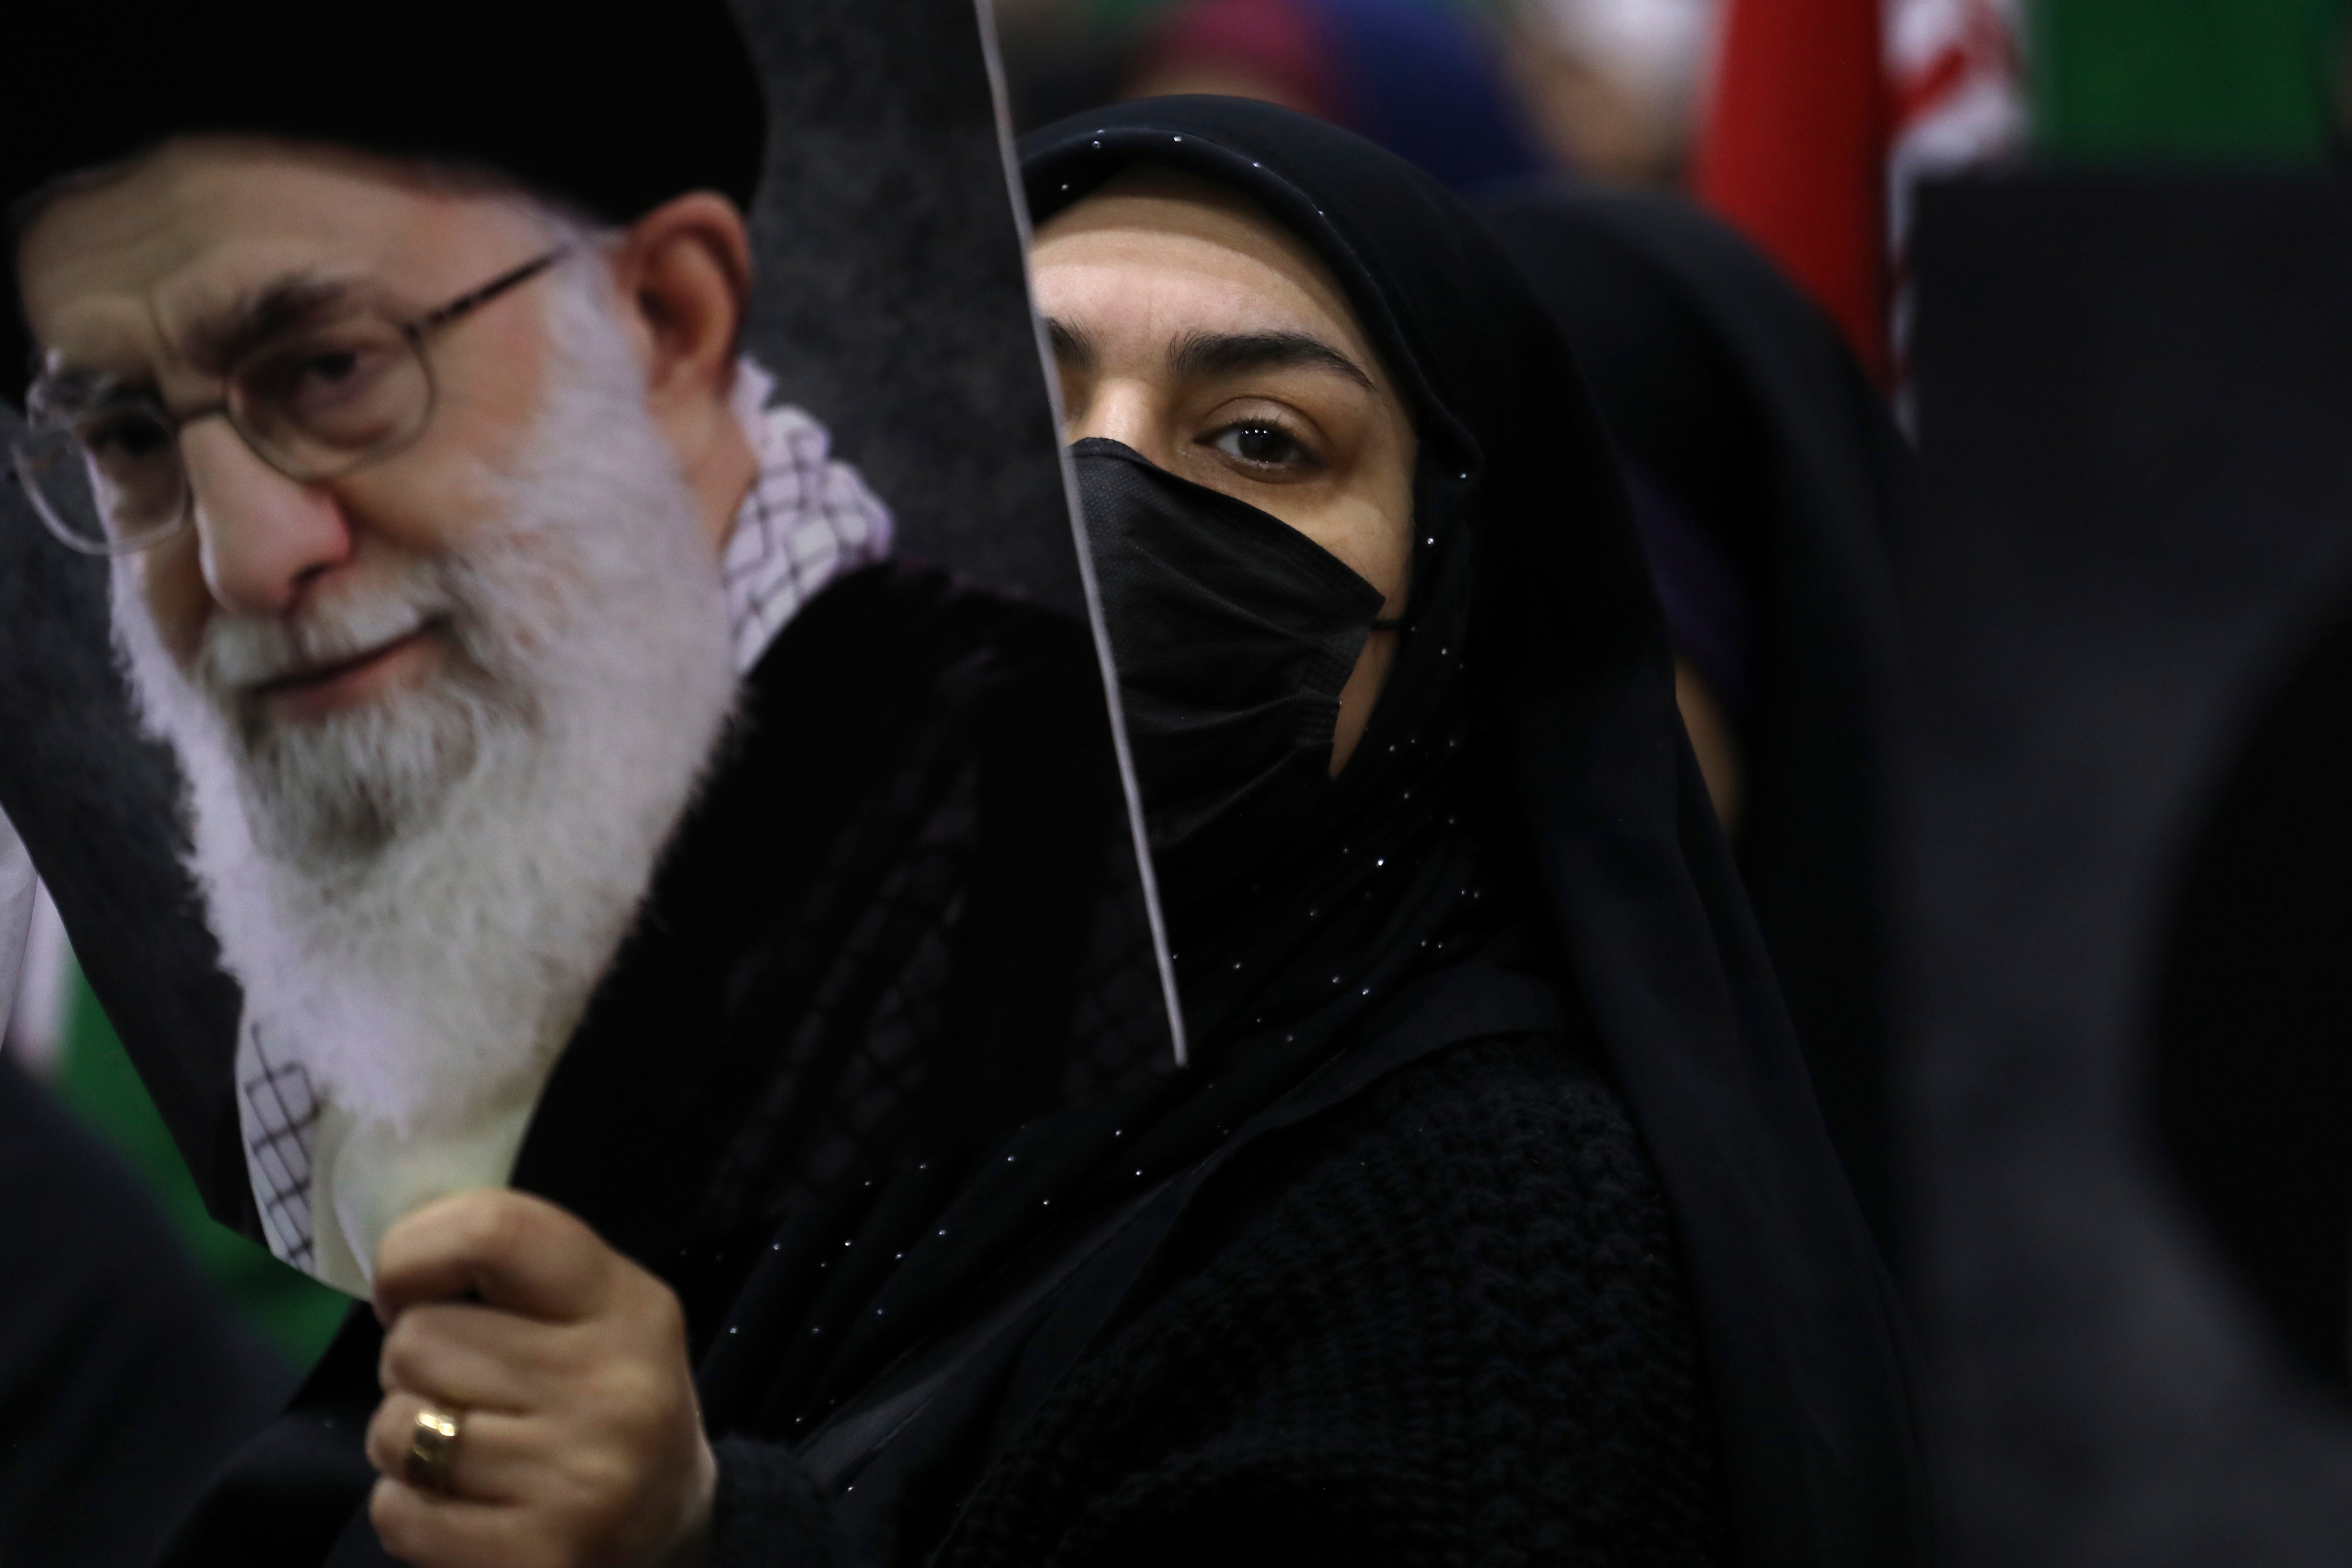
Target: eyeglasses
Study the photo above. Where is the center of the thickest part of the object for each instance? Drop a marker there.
(314, 404)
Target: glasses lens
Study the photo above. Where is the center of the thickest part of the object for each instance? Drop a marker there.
(111, 484)
(336, 393)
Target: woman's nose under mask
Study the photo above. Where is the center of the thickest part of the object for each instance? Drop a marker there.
(1233, 633)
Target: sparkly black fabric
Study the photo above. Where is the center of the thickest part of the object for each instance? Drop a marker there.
(1442, 1323)
(1446, 1324)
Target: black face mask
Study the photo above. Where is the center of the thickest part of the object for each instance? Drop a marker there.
(1233, 632)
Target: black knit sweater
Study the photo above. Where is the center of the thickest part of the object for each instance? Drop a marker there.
(1447, 1324)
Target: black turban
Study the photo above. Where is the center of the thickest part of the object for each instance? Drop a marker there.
(613, 112)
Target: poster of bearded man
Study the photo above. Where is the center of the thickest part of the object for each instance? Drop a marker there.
(545, 640)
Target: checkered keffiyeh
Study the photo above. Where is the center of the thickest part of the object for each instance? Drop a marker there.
(809, 519)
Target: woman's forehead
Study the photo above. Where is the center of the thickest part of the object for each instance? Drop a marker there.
(1176, 253)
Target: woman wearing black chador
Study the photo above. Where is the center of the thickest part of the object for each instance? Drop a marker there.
(1493, 1221)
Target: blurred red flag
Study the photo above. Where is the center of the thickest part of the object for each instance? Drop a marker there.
(1794, 152)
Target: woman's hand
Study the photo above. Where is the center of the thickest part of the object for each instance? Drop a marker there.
(580, 1441)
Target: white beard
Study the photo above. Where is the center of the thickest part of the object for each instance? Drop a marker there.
(419, 894)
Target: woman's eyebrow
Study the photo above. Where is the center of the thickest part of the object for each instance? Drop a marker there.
(1226, 353)
(1072, 347)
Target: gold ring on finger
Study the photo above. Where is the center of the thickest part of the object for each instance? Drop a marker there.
(433, 1447)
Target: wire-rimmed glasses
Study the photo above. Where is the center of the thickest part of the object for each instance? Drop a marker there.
(314, 403)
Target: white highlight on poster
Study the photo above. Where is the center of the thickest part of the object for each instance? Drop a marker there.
(34, 959)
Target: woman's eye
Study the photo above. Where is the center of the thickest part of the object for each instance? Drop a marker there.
(1261, 446)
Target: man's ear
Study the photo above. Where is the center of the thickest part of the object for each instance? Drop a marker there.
(684, 274)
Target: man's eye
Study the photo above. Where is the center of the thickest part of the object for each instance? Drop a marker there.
(313, 379)
(323, 375)
(1261, 446)
(126, 439)
(331, 365)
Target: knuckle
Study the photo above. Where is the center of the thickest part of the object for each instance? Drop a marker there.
(637, 1396)
(648, 1318)
(562, 1353)
(382, 1440)
(600, 1477)
(492, 1228)
(665, 1316)
(397, 1365)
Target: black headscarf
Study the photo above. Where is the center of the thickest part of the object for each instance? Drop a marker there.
(613, 114)
(1768, 453)
(1536, 642)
